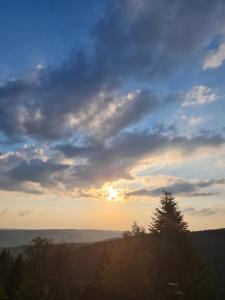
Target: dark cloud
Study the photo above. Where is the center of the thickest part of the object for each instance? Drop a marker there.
(153, 39)
(141, 192)
(88, 148)
(204, 211)
(14, 186)
(182, 187)
(37, 170)
(14, 98)
(94, 162)
(114, 161)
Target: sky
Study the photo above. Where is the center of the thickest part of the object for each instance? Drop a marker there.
(106, 104)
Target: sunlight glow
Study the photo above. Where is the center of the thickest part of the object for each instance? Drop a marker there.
(113, 194)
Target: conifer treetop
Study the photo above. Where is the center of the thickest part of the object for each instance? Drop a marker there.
(168, 218)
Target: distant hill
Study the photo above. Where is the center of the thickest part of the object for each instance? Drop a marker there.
(18, 237)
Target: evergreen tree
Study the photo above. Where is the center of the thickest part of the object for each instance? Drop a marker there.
(168, 219)
(175, 257)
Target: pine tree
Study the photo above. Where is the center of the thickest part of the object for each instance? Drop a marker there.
(168, 219)
(175, 256)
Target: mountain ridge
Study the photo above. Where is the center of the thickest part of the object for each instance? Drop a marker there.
(18, 237)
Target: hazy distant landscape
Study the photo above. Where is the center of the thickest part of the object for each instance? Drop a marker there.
(87, 257)
(19, 237)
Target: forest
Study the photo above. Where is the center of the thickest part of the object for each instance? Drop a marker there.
(164, 261)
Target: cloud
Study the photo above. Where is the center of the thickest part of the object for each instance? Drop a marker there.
(192, 120)
(215, 58)
(214, 210)
(37, 170)
(128, 111)
(4, 212)
(29, 170)
(116, 160)
(133, 42)
(91, 163)
(184, 187)
(154, 41)
(199, 95)
(84, 111)
(25, 213)
(30, 113)
(141, 193)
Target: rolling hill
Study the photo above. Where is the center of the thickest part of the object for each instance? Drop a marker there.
(18, 237)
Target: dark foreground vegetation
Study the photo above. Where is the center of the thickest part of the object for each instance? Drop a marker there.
(165, 262)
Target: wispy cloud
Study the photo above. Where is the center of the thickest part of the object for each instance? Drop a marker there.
(199, 95)
(213, 210)
(215, 58)
(192, 120)
(184, 187)
(4, 212)
(24, 213)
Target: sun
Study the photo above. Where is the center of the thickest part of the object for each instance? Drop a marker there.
(113, 194)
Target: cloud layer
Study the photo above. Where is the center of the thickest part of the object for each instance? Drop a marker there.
(134, 41)
(93, 118)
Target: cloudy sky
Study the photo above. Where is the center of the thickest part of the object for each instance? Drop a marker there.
(105, 104)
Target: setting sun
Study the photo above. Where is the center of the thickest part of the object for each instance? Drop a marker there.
(113, 194)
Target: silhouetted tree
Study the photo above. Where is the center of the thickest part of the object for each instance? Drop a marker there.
(126, 269)
(176, 259)
(61, 272)
(137, 231)
(168, 218)
(38, 258)
(127, 234)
